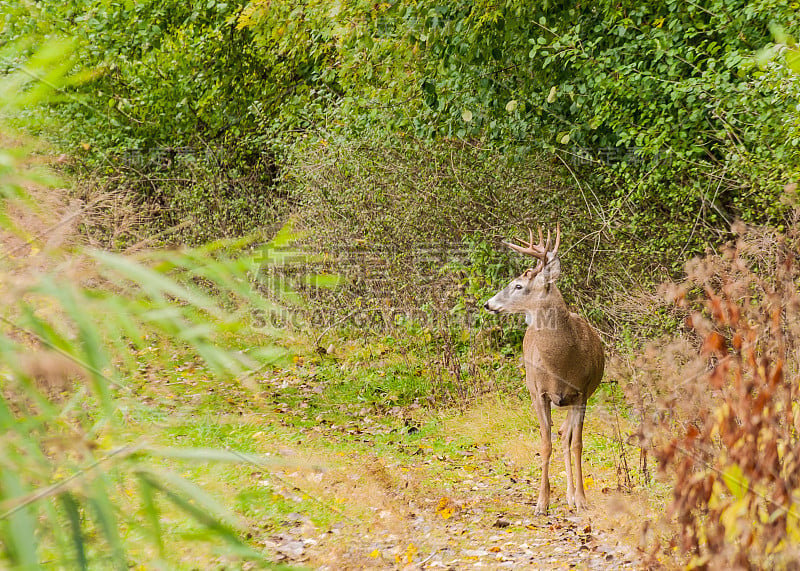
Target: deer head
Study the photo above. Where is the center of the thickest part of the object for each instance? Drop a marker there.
(535, 284)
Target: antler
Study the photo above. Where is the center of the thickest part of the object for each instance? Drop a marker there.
(539, 250)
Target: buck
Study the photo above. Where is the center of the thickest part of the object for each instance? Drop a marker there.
(563, 358)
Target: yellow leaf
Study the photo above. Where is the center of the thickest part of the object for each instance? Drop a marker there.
(445, 508)
(588, 482)
(411, 550)
(793, 523)
(697, 561)
(552, 95)
(375, 554)
(718, 492)
(730, 516)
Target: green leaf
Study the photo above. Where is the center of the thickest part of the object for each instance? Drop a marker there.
(213, 455)
(327, 281)
(793, 60)
(20, 525)
(154, 283)
(170, 482)
(71, 506)
(199, 505)
(152, 513)
(104, 513)
(735, 480)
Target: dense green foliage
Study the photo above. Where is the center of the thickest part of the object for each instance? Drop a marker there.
(650, 127)
(664, 108)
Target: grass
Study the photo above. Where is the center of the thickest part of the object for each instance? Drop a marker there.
(362, 446)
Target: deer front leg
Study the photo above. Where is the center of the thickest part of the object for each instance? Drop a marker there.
(541, 405)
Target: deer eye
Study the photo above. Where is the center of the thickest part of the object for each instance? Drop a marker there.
(518, 286)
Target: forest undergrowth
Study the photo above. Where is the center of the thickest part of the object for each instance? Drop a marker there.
(430, 404)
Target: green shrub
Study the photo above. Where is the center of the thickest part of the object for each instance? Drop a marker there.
(662, 111)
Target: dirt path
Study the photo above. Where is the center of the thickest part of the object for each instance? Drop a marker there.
(410, 506)
(485, 521)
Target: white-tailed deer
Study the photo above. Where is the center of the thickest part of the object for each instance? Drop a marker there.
(563, 359)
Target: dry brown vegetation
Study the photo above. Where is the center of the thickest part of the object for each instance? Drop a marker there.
(718, 406)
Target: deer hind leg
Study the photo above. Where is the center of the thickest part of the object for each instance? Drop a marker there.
(567, 434)
(541, 405)
(573, 446)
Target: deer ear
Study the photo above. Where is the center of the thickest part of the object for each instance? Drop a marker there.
(553, 269)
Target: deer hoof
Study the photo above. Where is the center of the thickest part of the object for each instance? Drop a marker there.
(540, 509)
(580, 504)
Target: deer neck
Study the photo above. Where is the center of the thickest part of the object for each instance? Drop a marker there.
(546, 308)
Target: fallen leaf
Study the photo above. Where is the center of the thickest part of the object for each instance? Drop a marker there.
(445, 508)
(411, 550)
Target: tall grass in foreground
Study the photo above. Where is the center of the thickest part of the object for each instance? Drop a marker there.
(75, 490)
